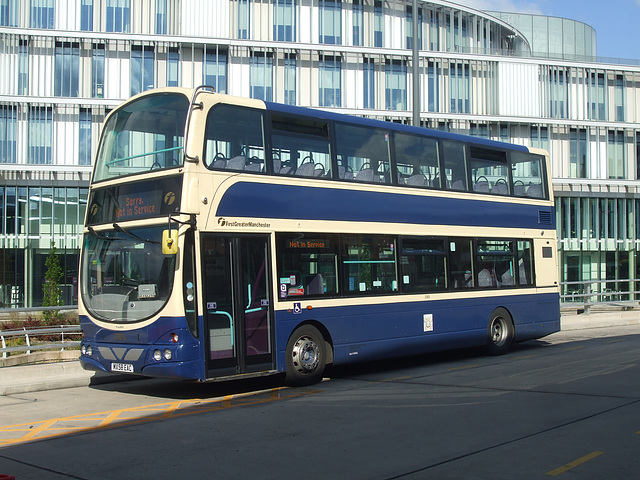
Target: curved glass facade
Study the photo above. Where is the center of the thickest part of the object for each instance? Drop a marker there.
(553, 37)
(526, 79)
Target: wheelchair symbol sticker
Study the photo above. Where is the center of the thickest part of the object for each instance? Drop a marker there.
(297, 308)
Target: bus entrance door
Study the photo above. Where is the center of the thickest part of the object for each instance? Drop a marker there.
(238, 319)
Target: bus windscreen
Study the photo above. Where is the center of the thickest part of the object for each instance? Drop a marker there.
(145, 135)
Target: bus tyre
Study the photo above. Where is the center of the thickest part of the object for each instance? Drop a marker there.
(306, 357)
(500, 331)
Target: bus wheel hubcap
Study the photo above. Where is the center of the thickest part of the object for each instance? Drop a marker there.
(306, 355)
(498, 331)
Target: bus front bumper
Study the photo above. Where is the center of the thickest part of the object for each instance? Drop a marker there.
(186, 370)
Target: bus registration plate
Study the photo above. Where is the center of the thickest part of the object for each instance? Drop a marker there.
(122, 367)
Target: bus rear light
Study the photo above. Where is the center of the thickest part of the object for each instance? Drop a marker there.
(174, 337)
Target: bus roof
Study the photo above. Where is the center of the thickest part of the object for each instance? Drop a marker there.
(341, 117)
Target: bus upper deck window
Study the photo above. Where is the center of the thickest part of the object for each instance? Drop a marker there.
(528, 171)
(234, 139)
(300, 146)
(489, 171)
(144, 135)
(365, 151)
(417, 160)
(455, 169)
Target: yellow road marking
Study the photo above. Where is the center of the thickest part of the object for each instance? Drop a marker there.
(35, 431)
(172, 408)
(569, 349)
(466, 367)
(14, 434)
(574, 464)
(395, 379)
(112, 416)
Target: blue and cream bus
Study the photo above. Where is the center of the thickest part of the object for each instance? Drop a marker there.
(228, 237)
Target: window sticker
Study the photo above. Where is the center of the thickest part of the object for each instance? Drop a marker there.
(427, 320)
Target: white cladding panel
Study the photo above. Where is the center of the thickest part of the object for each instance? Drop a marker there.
(206, 18)
(518, 87)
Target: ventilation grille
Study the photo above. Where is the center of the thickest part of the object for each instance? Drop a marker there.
(544, 217)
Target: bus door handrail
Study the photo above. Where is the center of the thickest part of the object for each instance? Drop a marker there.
(228, 315)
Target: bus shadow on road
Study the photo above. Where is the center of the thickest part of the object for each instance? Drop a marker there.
(390, 367)
(376, 370)
(182, 389)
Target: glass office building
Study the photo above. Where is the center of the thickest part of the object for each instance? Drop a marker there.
(525, 79)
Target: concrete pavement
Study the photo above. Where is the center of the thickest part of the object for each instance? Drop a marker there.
(599, 317)
(67, 374)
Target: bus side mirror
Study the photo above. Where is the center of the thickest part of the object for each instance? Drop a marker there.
(169, 242)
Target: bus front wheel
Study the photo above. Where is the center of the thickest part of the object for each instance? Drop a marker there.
(306, 356)
(500, 332)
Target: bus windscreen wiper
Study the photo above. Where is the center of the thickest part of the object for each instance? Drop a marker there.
(99, 235)
(118, 228)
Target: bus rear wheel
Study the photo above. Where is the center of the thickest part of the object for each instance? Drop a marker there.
(306, 356)
(500, 332)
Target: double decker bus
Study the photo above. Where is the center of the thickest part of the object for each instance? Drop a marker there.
(228, 237)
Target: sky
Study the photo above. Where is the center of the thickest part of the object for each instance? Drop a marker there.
(616, 22)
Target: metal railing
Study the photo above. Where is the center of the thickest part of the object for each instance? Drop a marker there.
(621, 293)
(31, 336)
(37, 309)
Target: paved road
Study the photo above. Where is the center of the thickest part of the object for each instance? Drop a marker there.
(566, 406)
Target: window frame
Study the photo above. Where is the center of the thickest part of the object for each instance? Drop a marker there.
(352, 271)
